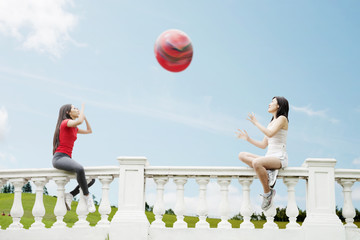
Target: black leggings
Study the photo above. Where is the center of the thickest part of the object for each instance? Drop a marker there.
(63, 161)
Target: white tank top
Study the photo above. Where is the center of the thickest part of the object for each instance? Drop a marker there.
(277, 143)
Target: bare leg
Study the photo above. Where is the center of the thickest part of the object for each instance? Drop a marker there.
(261, 164)
(248, 158)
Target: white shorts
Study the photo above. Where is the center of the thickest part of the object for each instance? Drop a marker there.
(281, 155)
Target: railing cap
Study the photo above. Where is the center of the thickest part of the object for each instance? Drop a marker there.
(319, 162)
(124, 160)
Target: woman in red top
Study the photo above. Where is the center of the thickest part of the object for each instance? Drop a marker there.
(64, 137)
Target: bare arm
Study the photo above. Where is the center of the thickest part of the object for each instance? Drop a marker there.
(79, 120)
(88, 128)
(269, 132)
(244, 135)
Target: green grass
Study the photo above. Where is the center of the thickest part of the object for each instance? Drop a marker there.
(28, 200)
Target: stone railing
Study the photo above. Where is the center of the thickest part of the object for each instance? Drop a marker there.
(130, 221)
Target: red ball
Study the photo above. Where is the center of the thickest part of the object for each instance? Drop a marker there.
(173, 50)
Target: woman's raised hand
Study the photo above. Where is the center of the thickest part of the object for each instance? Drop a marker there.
(252, 118)
(242, 134)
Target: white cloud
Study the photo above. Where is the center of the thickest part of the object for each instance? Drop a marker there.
(356, 161)
(356, 194)
(312, 113)
(308, 111)
(6, 160)
(44, 82)
(196, 115)
(4, 127)
(39, 25)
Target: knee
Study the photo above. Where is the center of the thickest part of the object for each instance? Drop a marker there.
(242, 156)
(80, 170)
(256, 164)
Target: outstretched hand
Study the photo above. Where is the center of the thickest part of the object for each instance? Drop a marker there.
(252, 118)
(242, 134)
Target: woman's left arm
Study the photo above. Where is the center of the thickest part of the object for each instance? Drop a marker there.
(277, 125)
(88, 128)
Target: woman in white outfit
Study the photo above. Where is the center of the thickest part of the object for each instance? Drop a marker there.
(266, 167)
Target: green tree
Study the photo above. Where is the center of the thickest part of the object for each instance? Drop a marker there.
(237, 217)
(94, 199)
(148, 208)
(8, 188)
(302, 215)
(281, 215)
(170, 212)
(27, 188)
(339, 213)
(45, 191)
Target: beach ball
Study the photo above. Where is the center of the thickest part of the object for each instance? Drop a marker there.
(173, 50)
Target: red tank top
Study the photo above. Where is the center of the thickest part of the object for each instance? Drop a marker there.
(67, 137)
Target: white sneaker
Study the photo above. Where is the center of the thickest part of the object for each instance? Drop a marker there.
(90, 203)
(272, 175)
(68, 200)
(268, 200)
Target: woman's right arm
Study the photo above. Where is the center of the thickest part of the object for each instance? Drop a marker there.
(263, 144)
(79, 120)
(244, 135)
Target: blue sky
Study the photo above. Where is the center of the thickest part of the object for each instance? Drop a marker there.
(245, 52)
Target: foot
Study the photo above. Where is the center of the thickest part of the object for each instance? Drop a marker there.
(272, 175)
(68, 200)
(90, 203)
(268, 200)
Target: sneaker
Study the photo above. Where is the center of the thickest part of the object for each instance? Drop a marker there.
(90, 203)
(68, 200)
(267, 200)
(272, 175)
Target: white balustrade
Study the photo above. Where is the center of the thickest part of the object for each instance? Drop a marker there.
(130, 220)
(246, 208)
(348, 210)
(180, 203)
(224, 208)
(82, 211)
(17, 210)
(38, 210)
(105, 208)
(159, 207)
(60, 208)
(202, 209)
(270, 214)
(292, 210)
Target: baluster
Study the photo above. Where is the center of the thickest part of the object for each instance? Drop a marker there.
(60, 208)
(180, 203)
(348, 209)
(246, 208)
(202, 209)
(224, 208)
(82, 210)
(105, 208)
(159, 208)
(17, 210)
(270, 214)
(292, 210)
(38, 210)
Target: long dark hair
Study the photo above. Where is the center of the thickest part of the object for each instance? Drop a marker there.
(283, 107)
(63, 114)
